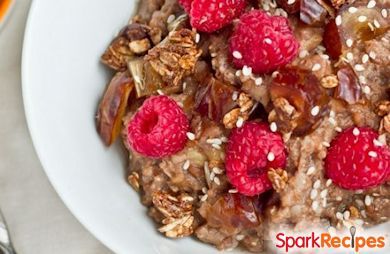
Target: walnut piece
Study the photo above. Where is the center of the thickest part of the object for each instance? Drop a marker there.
(278, 178)
(178, 221)
(383, 108)
(329, 81)
(284, 115)
(125, 46)
(175, 57)
(245, 104)
(385, 124)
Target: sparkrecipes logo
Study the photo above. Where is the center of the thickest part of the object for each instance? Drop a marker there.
(326, 241)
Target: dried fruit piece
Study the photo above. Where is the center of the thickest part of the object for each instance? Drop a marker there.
(158, 128)
(312, 13)
(214, 99)
(275, 44)
(302, 91)
(356, 24)
(349, 88)
(354, 161)
(252, 150)
(211, 15)
(112, 107)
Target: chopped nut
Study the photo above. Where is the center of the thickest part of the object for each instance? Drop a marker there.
(175, 57)
(140, 46)
(178, 214)
(329, 81)
(383, 108)
(284, 115)
(133, 180)
(385, 124)
(354, 212)
(245, 102)
(278, 178)
(337, 3)
(120, 50)
(231, 118)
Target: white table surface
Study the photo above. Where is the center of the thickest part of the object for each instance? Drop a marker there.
(38, 220)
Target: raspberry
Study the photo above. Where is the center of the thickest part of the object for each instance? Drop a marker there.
(246, 157)
(158, 128)
(262, 42)
(356, 161)
(211, 15)
(186, 4)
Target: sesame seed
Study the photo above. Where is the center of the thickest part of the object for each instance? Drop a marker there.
(324, 193)
(217, 181)
(332, 121)
(216, 146)
(184, 85)
(240, 122)
(376, 23)
(363, 213)
(324, 56)
(315, 110)
(356, 131)
(326, 144)
(313, 194)
(204, 190)
(328, 182)
(233, 191)
(338, 198)
(332, 114)
(314, 205)
(214, 141)
(362, 79)
(362, 18)
(338, 20)
(289, 2)
(372, 54)
(371, 4)
(324, 202)
(246, 71)
(213, 54)
(359, 67)
(240, 237)
(338, 129)
(346, 215)
(317, 184)
(352, 9)
(339, 216)
(310, 170)
(190, 136)
(197, 38)
(367, 200)
(366, 90)
(271, 156)
(258, 81)
(170, 18)
(217, 170)
(273, 127)
(212, 176)
(365, 58)
(224, 139)
(316, 67)
(268, 41)
(235, 96)
(204, 197)
(237, 54)
(384, 13)
(382, 139)
(377, 142)
(349, 56)
(274, 74)
(349, 42)
(160, 92)
(186, 165)
(372, 154)
(303, 53)
(372, 28)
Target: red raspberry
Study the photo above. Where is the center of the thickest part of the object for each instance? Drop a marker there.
(158, 128)
(186, 4)
(262, 42)
(246, 157)
(356, 161)
(211, 15)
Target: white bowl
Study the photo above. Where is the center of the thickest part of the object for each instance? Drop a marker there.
(62, 84)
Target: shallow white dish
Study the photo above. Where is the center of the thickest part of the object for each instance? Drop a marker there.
(62, 84)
